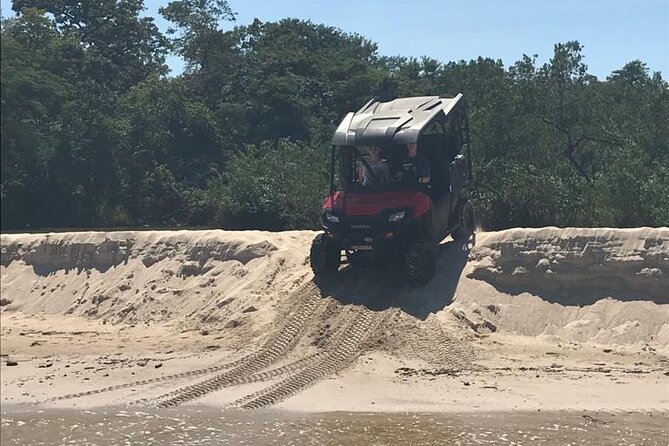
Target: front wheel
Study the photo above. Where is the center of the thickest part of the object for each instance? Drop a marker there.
(419, 263)
(325, 256)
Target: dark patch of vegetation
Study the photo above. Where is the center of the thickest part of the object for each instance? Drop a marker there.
(94, 133)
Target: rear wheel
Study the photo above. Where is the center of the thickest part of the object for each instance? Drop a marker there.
(419, 263)
(325, 255)
(466, 220)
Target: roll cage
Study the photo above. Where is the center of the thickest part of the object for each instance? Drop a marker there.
(438, 125)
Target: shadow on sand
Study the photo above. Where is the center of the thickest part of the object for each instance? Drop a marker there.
(382, 288)
(580, 291)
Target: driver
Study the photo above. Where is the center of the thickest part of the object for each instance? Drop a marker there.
(380, 172)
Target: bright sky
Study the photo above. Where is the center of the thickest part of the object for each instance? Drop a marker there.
(613, 32)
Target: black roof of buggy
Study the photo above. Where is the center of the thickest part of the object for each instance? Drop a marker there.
(400, 121)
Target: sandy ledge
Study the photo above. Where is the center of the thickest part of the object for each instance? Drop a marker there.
(519, 320)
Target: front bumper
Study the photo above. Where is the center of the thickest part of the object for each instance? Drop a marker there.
(369, 233)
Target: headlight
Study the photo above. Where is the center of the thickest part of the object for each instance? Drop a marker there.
(397, 216)
(332, 218)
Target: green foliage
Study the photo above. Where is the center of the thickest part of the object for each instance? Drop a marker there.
(93, 133)
(122, 47)
(197, 26)
(275, 185)
(32, 98)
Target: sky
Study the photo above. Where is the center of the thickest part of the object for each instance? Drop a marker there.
(612, 32)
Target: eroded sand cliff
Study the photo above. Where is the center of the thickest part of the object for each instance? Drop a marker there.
(518, 319)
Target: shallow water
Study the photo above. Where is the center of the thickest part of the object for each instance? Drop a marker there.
(210, 426)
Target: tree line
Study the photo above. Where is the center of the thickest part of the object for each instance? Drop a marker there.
(96, 133)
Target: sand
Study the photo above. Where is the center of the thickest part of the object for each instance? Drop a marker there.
(518, 320)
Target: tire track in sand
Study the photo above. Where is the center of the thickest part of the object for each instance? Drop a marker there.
(307, 298)
(444, 347)
(342, 349)
(267, 375)
(271, 352)
(148, 381)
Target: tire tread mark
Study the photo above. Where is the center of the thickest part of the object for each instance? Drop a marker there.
(148, 381)
(300, 292)
(343, 349)
(268, 354)
(268, 375)
(444, 348)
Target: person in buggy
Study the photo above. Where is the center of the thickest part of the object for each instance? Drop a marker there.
(375, 171)
(415, 169)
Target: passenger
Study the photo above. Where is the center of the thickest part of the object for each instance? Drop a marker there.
(415, 169)
(380, 172)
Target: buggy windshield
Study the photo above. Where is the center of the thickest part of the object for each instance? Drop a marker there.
(372, 169)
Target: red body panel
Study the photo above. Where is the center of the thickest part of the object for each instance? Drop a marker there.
(355, 204)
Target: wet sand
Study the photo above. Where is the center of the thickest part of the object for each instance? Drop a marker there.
(209, 426)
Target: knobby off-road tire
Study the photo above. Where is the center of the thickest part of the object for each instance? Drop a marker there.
(466, 220)
(325, 256)
(419, 263)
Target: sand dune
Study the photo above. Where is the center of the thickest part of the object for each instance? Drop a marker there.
(540, 318)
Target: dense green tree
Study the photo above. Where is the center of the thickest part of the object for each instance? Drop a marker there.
(33, 96)
(275, 185)
(196, 28)
(123, 48)
(94, 133)
(174, 145)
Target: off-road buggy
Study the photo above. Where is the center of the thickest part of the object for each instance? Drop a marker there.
(396, 220)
